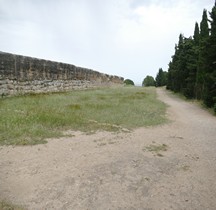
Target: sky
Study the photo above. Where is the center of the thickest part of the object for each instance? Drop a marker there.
(128, 38)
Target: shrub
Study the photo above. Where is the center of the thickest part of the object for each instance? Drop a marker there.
(148, 81)
(129, 82)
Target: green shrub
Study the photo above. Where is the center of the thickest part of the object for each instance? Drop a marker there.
(129, 82)
(148, 81)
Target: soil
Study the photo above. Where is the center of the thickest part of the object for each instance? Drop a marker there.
(165, 167)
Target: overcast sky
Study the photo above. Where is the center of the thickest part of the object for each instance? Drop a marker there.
(128, 38)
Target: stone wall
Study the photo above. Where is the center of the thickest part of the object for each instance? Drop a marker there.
(21, 75)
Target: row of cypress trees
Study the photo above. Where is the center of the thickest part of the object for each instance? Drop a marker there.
(192, 70)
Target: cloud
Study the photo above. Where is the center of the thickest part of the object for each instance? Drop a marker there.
(130, 38)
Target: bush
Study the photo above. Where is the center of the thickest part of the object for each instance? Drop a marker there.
(129, 82)
(148, 81)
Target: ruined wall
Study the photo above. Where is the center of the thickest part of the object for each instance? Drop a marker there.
(21, 74)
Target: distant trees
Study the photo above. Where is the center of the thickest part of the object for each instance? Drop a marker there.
(128, 82)
(159, 81)
(192, 70)
(161, 78)
(148, 81)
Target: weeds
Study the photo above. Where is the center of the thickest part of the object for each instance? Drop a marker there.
(156, 149)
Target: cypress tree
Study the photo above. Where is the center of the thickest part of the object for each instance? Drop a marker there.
(177, 65)
(204, 36)
(196, 35)
(209, 95)
(189, 71)
(204, 28)
(161, 78)
(192, 61)
(174, 71)
(182, 70)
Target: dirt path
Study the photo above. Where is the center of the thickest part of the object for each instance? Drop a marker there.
(118, 171)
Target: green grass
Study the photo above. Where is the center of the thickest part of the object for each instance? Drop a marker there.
(29, 120)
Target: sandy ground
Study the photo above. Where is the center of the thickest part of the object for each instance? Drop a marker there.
(116, 171)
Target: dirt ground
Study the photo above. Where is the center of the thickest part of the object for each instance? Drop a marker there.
(118, 171)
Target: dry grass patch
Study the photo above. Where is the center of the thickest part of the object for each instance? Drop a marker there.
(156, 149)
(9, 206)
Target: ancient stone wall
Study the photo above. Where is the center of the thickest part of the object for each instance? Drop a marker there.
(21, 75)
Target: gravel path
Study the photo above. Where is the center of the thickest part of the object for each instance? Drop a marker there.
(165, 167)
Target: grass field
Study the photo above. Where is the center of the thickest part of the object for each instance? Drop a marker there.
(28, 120)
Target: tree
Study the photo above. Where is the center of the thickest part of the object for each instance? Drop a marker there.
(129, 82)
(176, 71)
(161, 78)
(148, 81)
(204, 36)
(191, 53)
(196, 34)
(209, 86)
(192, 63)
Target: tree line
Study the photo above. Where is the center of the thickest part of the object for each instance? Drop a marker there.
(192, 70)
